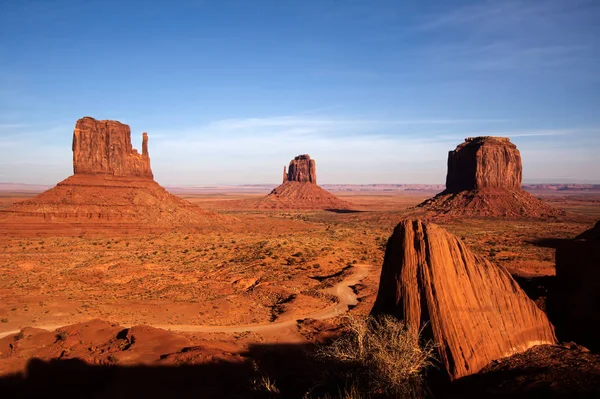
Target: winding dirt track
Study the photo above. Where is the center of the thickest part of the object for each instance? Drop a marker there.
(342, 290)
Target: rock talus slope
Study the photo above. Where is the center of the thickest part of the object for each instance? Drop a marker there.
(474, 310)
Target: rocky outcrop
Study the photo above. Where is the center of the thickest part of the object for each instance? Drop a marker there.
(484, 179)
(484, 162)
(299, 190)
(474, 310)
(302, 169)
(112, 190)
(574, 301)
(104, 147)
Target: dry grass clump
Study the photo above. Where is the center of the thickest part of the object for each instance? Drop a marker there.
(380, 356)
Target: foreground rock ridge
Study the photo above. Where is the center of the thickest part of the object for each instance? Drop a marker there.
(484, 179)
(474, 310)
(104, 147)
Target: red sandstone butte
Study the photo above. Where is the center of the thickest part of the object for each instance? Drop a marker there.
(299, 190)
(484, 179)
(474, 310)
(302, 169)
(484, 162)
(112, 189)
(104, 147)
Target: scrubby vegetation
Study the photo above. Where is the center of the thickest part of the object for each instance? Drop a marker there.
(378, 356)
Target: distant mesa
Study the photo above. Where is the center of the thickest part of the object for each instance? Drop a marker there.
(299, 190)
(104, 147)
(574, 301)
(112, 188)
(472, 309)
(484, 179)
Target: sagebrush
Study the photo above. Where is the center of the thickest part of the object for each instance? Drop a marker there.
(380, 355)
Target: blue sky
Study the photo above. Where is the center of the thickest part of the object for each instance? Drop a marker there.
(229, 91)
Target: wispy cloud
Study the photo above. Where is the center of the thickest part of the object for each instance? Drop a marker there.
(309, 124)
(510, 35)
(4, 126)
(531, 133)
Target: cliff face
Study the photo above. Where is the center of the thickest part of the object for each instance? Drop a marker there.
(574, 301)
(302, 169)
(484, 162)
(104, 147)
(474, 310)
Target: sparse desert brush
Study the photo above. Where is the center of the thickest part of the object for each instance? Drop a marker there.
(379, 355)
(347, 393)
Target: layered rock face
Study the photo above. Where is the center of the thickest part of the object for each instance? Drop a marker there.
(574, 302)
(484, 162)
(484, 179)
(474, 310)
(302, 169)
(104, 147)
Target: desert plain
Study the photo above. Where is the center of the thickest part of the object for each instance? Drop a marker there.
(249, 277)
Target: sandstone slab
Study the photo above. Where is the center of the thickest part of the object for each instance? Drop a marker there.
(473, 310)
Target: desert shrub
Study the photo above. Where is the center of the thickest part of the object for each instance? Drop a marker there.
(262, 384)
(380, 356)
(353, 392)
(62, 336)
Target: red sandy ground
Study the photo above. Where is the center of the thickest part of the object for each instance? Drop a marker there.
(253, 267)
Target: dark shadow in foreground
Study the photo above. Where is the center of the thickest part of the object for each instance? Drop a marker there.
(291, 369)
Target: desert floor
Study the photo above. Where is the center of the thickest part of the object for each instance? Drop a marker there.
(259, 281)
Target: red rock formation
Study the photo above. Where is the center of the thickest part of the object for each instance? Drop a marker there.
(299, 190)
(574, 301)
(104, 147)
(484, 179)
(482, 162)
(473, 309)
(112, 189)
(302, 169)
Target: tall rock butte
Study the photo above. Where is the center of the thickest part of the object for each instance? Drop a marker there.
(484, 162)
(484, 179)
(302, 169)
(574, 300)
(112, 189)
(104, 147)
(473, 310)
(299, 190)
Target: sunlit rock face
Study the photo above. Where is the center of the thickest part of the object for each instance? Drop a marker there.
(104, 147)
(473, 310)
(484, 162)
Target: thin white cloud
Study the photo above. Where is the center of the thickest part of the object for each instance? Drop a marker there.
(11, 126)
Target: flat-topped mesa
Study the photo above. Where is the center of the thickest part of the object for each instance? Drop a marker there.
(104, 147)
(302, 169)
(484, 162)
(473, 310)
